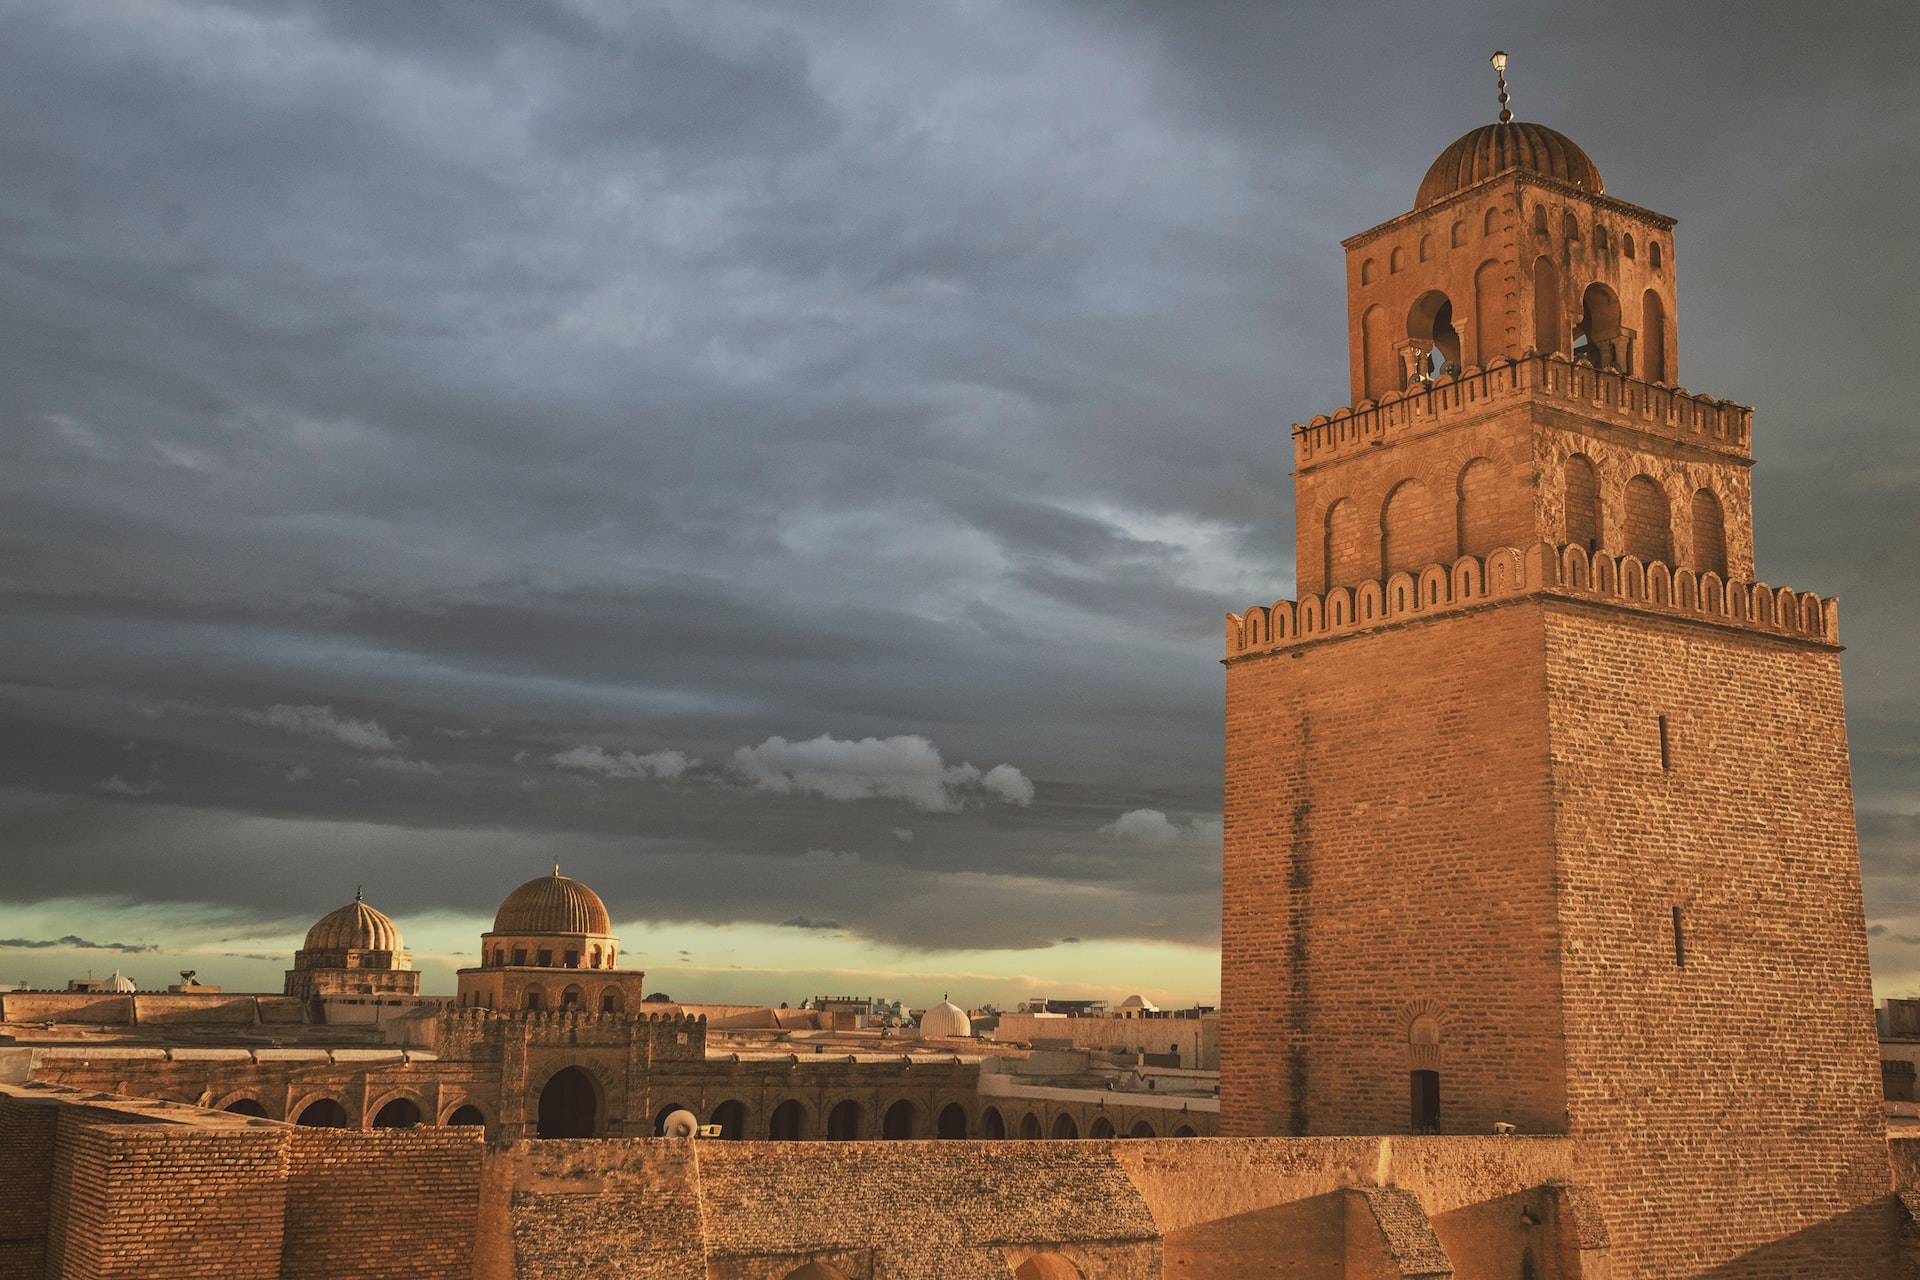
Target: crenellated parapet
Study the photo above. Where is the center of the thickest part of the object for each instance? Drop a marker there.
(1672, 413)
(1568, 570)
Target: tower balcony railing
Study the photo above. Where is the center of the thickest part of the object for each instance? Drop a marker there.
(1672, 413)
(1544, 568)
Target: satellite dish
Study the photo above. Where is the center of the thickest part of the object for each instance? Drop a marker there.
(680, 1124)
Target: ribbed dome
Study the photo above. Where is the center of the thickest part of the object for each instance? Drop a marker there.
(355, 926)
(1496, 148)
(552, 904)
(945, 1021)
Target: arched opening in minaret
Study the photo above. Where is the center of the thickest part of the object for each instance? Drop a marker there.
(1649, 528)
(1377, 361)
(1349, 557)
(1653, 338)
(1547, 320)
(992, 1123)
(1599, 332)
(1709, 534)
(1489, 311)
(1430, 325)
(1476, 508)
(1064, 1127)
(569, 1105)
(1414, 531)
(1582, 492)
(952, 1122)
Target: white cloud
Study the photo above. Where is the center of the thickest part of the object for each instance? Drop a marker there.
(1009, 784)
(662, 765)
(397, 764)
(321, 722)
(905, 767)
(119, 786)
(1150, 826)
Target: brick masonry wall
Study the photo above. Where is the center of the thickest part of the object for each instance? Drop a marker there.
(1387, 859)
(390, 1202)
(26, 1178)
(142, 1200)
(1728, 1111)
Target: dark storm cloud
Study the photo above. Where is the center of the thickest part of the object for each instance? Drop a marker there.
(423, 426)
(78, 944)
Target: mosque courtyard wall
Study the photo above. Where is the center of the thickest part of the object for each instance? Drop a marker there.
(103, 1185)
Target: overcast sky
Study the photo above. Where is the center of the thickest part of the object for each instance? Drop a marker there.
(787, 462)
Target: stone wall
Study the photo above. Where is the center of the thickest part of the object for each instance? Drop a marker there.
(386, 1202)
(128, 1009)
(1739, 1058)
(1388, 901)
(127, 1187)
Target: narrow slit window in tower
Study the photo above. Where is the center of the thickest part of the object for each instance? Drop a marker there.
(1666, 749)
(1679, 940)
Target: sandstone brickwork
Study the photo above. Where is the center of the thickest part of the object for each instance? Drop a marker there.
(136, 1187)
(1537, 802)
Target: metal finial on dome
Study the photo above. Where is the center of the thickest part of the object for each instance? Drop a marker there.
(1499, 61)
(556, 869)
(356, 893)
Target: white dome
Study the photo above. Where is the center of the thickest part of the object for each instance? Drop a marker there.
(119, 982)
(945, 1020)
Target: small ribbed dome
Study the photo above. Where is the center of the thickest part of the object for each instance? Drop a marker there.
(552, 904)
(945, 1020)
(354, 927)
(119, 982)
(1496, 148)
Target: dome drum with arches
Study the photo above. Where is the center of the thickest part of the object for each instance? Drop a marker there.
(353, 950)
(552, 923)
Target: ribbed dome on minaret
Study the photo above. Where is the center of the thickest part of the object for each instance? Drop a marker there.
(1493, 149)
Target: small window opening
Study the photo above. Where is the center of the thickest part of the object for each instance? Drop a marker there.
(1653, 254)
(1679, 940)
(1569, 227)
(1426, 1101)
(1540, 220)
(1666, 748)
(1626, 245)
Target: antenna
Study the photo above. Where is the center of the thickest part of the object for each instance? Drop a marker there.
(1499, 61)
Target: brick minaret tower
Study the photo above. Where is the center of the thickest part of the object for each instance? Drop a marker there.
(1537, 803)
